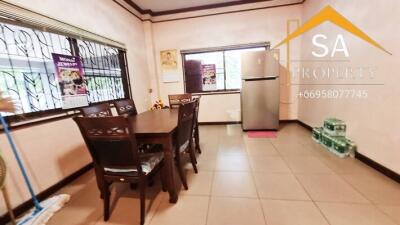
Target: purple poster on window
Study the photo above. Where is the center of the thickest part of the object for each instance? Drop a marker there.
(69, 75)
(208, 72)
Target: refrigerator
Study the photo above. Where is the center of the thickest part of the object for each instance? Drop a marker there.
(260, 90)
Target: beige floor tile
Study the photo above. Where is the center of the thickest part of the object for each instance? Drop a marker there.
(126, 208)
(286, 139)
(392, 211)
(232, 163)
(294, 149)
(231, 140)
(260, 147)
(235, 194)
(279, 212)
(329, 187)
(199, 184)
(209, 147)
(189, 210)
(85, 205)
(353, 214)
(307, 164)
(203, 164)
(347, 165)
(235, 211)
(211, 131)
(208, 154)
(234, 184)
(279, 186)
(268, 164)
(233, 130)
(378, 188)
(82, 182)
(320, 151)
(232, 146)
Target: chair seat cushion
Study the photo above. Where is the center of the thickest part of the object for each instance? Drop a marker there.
(184, 146)
(149, 162)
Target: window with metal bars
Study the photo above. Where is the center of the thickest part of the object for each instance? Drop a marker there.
(27, 72)
(227, 64)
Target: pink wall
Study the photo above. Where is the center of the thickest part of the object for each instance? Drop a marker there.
(266, 25)
(55, 150)
(373, 122)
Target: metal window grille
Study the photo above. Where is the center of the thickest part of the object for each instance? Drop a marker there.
(102, 71)
(27, 72)
(228, 68)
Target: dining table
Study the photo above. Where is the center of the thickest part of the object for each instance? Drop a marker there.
(159, 127)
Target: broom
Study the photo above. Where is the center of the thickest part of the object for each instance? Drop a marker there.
(42, 212)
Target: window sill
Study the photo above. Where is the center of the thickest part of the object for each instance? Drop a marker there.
(38, 121)
(218, 92)
(37, 118)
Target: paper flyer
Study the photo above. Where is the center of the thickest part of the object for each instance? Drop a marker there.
(69, 75)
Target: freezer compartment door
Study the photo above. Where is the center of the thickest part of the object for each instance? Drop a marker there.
(260, 104)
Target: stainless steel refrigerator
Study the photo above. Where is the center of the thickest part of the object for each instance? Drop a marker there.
(260, 90)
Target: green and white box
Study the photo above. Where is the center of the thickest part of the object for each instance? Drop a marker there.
(326, 139)
(316, 134)
(339, 144)
(335, 127)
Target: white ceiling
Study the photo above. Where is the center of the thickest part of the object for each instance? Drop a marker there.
(163, 5)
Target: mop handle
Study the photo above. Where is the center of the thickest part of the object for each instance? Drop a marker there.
(21, 166)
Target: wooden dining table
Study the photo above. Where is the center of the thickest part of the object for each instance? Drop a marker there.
(159, 127)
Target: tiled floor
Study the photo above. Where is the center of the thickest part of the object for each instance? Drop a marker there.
(284, 181)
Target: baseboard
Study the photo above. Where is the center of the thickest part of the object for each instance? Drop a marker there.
(301, 123)
(386, 171)
(220, 123)
(24, 207)
(287, 121)
(238, 122)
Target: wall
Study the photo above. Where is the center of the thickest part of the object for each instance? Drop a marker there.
(373, 122)
(55, 150)
(221, 30)
(50, 156)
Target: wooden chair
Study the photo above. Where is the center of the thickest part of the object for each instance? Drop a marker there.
(100, 110)
(184, 138)
(112, 145)
(196, 133)
(125, 107)
(176, 100)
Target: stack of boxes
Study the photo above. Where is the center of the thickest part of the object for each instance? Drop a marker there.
(333, 137)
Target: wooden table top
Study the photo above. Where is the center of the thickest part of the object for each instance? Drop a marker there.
(160, 121)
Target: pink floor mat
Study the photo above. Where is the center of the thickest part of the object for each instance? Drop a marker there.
(262, 134)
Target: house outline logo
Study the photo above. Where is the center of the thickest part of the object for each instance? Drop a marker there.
(330, 14)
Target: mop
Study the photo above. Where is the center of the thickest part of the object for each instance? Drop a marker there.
(43, 211)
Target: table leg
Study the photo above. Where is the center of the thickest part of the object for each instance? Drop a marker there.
(169, 169)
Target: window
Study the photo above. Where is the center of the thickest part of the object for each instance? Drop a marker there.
(28, 75)
(224, 64)
(102, 71)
